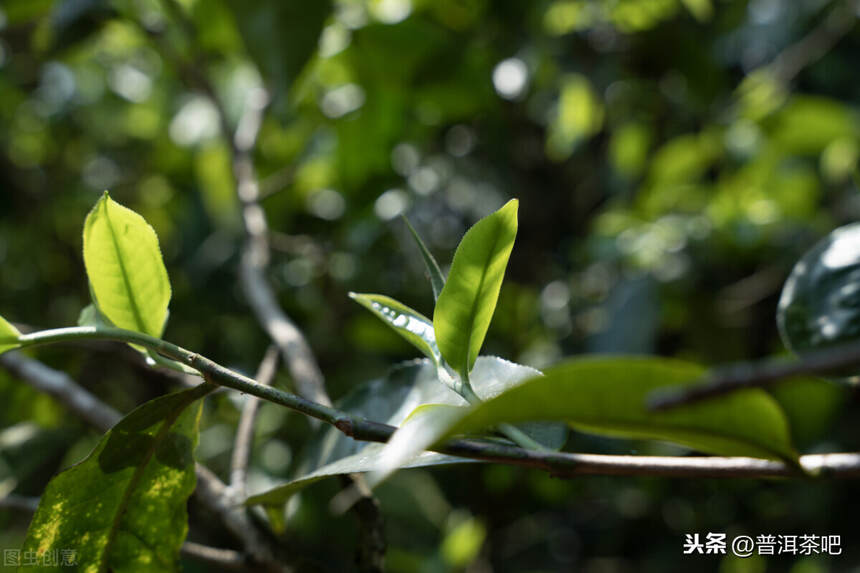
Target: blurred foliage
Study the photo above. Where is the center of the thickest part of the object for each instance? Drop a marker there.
(669, 173)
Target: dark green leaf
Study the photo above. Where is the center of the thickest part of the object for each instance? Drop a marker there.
(123, 507)
(608, 396)
(437, 279)
(467, 302)
(280, 36)
(127, 275)
(410, 324)
(820, 302)
(811, 405)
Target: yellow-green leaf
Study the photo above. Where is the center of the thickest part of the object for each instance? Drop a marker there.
(468, 300)
(8, 336)
(124, 265)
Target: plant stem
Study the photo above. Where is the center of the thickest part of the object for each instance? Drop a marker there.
(561, 464)
(217, 373)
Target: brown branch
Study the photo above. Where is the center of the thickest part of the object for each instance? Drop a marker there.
(254, 261)
(556, 463)
(759, 374)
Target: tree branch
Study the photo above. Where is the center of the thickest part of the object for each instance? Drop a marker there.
(557, 463)
(297, 353)
(255, 258)
(245, 431)
(759, 374)
(815, 45)
(60, 386)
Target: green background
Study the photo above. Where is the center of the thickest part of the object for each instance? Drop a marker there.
(673, 159)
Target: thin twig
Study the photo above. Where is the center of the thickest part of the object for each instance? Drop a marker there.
(60, 386)
(277, 181)
(817, 43)
(255, 258)
(759, 374)
(245, 430)
(215, 495)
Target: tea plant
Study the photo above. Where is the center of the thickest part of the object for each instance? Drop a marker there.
(123, 508)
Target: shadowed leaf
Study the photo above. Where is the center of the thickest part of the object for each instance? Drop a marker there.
(437, 279)
(123, 507)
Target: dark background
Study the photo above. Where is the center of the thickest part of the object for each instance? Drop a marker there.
(673, 159)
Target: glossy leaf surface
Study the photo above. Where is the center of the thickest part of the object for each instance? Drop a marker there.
(410, 324)
(364, 461)
(820, 301)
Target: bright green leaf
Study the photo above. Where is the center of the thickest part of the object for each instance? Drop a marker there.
(8, 336)
(467, 302)
(124, 265)
(123, 508)
(437, 279)
(410, 324)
